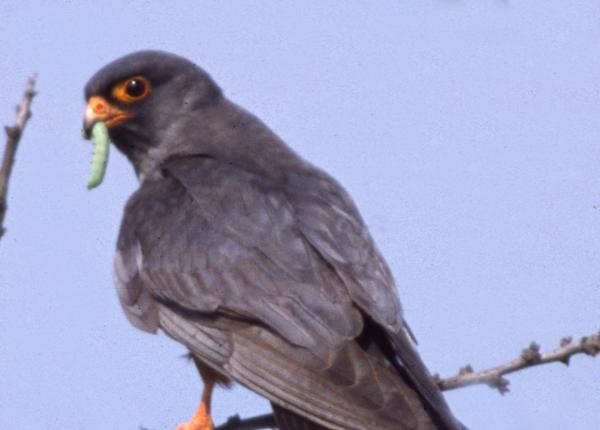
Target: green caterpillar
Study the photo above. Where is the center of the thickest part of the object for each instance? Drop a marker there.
(100, 157)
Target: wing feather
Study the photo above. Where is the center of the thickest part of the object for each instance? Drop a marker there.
(268, 283)
(298, 380)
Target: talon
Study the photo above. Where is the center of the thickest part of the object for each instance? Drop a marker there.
(200, 421)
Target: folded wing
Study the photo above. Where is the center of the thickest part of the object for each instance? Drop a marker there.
(274, 284)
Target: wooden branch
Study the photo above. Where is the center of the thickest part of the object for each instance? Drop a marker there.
(531, 356)
(494, 377)
(14, 134)
(266, 421)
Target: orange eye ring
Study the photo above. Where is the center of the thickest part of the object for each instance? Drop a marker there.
(132, 90)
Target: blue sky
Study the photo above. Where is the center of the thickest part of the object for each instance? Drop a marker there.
(467, 132)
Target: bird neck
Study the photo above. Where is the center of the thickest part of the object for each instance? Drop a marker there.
(223, 131)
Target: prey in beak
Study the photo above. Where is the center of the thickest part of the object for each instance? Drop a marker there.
(99, 117)
(98, 109)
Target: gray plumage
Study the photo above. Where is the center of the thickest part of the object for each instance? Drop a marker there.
(258, 262)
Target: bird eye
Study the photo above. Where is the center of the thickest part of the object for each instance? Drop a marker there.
(132, 89)
(135, 88)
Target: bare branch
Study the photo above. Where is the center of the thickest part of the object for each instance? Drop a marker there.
(14, 134)
(266, 421)
(531, 356)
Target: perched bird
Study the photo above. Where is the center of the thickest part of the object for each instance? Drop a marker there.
(255, 260)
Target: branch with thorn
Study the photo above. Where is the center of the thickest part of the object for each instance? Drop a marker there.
(13, 136)
(494, 377)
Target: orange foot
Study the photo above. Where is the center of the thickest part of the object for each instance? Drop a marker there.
(200, 421)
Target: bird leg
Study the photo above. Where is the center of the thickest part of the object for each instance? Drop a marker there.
(201, 419)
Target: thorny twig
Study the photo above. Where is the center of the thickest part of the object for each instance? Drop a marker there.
(14, 134)
(494, 377)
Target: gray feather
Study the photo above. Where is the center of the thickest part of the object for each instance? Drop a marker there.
(258, 262)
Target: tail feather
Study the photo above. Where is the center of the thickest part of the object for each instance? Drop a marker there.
(288, 420)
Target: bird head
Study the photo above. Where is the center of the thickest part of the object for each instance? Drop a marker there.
(145, 99)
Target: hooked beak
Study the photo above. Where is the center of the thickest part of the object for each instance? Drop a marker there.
(98, 109)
